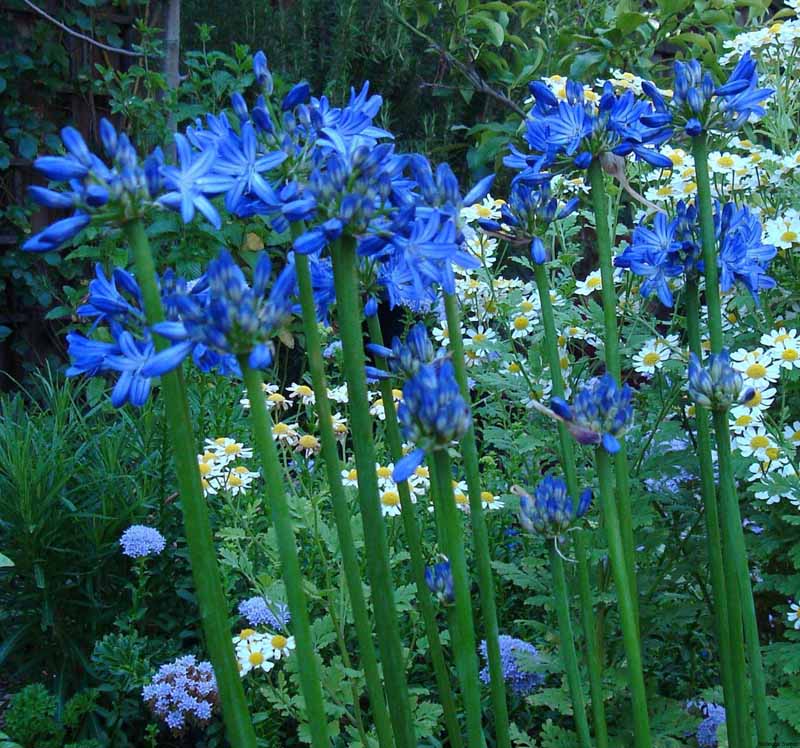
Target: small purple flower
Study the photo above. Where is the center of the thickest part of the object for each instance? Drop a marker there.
(182, 692)
(139, 541)
(519, 660)
(707, 730)
(261, 611)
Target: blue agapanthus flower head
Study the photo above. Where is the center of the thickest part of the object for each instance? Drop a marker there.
(717, 385)
(139, 541)
(572, 133)
(261, 611)
(550, 510)
(439, 578)
(601, 412)
(520, 662)
(432, 414)
(234, 318)
(406, 357)
(119, 190)
(183, 693)
(699, 105)
(526, 215)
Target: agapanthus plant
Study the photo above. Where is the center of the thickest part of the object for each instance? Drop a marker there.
(717, 385)
(550, 510)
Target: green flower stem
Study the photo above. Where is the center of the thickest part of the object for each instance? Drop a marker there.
(199, 539)
(734, 542)
(613, 363)
(732, 524)
(571, 474)
(414, 543)
(287, 550)
(341, 509)
(731, 665)
(480, 537)
(567, 644)
(462, 629)
(348, 302)
(627, 611)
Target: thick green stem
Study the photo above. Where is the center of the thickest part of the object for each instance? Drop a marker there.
(341, 508)
(567, 451)
(287, 550)
(480, 537)
(199, 539)
(627, 611)
(414, 544)
(613, 363)
(348, 303)
(732, 524)
(731, 667)
(567, 645)
(734, 541)
(463, 629)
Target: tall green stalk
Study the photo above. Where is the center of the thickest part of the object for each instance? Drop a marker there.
(731, 646)
(341, 509)
(567, 645)
(414, 544)
(480, 537)
(287, 550)
(732, 524)
(463, 629)
(627, 611)
(567, 453)
(613, 363)
(348, 302)
(199, 539)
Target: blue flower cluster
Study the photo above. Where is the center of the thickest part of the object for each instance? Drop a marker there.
(118, 190)
(671, 249)
(182, 693)
(139, 541)
(573, 133)
(707, 730)
(520, 661)
(439, 579)
(600, 414)
(550, 511)
(717, 385)
(261, 611)
(123, 344)
(405, 358)
(698, 105)
(432, 414)
(527, 213)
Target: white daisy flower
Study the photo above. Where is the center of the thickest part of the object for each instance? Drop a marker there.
(301, 392)
(757, 366)
(791, 432)
(480, 338)
(308, 444)
(490, 502)
(390, 502)
(787, 354)
(282, 646)
(652, 356)
(754, 442)
(285, 433)
(253, 652)
(338, 394)
(793, 616)
(350, 477)
(593, 282)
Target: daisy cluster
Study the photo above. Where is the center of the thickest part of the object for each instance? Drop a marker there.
(772, 451)
(261, 650)
(221, 470)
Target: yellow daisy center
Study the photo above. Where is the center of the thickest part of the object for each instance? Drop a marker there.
(234, 480)
(352, 474)
(276, 397)
(772, 452)
(726, 161)
(744, 420)
(308, 442)
(521, 323)
(205, 468)
(280, 428)
(664, 190)
(483, 211)
(460, 498)
(304, 390)
(422, 472)
(232, 449)
(256, 658)
(390, 498)
(594, 281)
(755, 400)
(526, 306)
(383, 472)
(795, 437)
(756, 371)
(220, 440)
(514, 367)
(246, 633)
(479, 337)
(676, 158)
(651, 358)
(278, 641)
(487, 496)
(759, 441)
(789, 236)
(789, 354)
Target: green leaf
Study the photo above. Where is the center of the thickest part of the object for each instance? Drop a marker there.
(492, 27)
(629, 22)
(27, 146)
(5, 561)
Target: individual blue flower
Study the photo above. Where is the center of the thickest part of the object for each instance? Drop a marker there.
(520, 663)
(233, 318)
(432, 414)
(550, 511)
(439, 579)
(698, 105)
(717, 385)
(261, 611)
(600, 413)
(183, 693)
(182, 182)
(139, 541)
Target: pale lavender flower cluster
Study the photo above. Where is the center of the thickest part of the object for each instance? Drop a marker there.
(139, 541)
(519, 660)
(707, 730)
(260, 611)
(182, 692)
